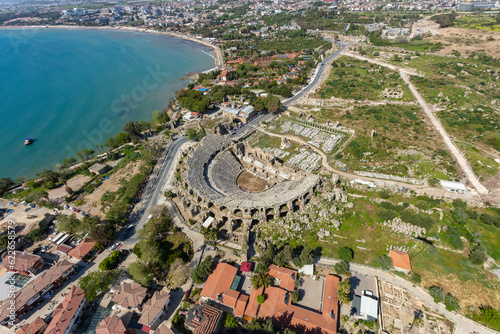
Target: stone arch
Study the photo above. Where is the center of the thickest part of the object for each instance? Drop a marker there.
(253, 212)
(222, 208)
(238, 212)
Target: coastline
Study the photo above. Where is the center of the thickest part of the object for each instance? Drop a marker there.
(215, 49)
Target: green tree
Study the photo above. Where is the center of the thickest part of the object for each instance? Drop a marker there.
(96, 283)
(273, 104)
(345, 253)
(111, 262)
(230, 321)
(191, 134)
(260, 279)
(478, 255)
(209, 233)
(341, 268)
(5, 184)
(140, 273)
(85, 154)
(102, 234)
(345, 291)
(132, 129)
(201, 273)
(160, 118)
(261, 299)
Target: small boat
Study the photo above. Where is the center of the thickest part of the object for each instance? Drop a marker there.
(28, 141)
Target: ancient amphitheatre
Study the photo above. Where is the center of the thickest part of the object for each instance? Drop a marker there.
(210, 184)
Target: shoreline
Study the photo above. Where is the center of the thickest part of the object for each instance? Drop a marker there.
(215, 49)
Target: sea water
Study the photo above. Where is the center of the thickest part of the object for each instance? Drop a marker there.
(71, 89)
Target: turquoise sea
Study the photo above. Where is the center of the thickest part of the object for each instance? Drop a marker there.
(72, 89)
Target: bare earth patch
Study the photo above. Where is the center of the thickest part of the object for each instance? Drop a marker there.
(93, 201)
(468, 41)
(251, 183)
(59, 194)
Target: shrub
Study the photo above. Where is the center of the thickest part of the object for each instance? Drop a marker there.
(345, 253)
(488, 316)
(385, 262)
(387, 205)
(295, 297)
(385, 194)
(387, 215)
(422, 205)
(415, 278)
(341, 268)
(490, 220)
(451, 303)
(437, 293)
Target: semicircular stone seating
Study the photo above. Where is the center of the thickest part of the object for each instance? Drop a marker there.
(213, 173)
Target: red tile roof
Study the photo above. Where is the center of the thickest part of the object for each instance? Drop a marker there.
(64, 248)
(129, 295)
(241, 304)
(400, 260)
(50, 276)
(66, 311)
(23, 262)
(163, 329)
(83, 248)
(111, 325)
(253, 306)
(246, 266)
(205, 319)
(219, 281)
(285, 275)
(37, 326)
(330, 299)
(153, 307)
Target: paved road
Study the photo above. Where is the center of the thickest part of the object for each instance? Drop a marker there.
(253, 124)
(158, 189)
(463, 325)
(319, 72)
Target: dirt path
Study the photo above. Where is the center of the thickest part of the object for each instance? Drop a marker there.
(459, 157)
(346, 175)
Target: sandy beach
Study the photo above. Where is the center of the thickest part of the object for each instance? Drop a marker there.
(217, 53)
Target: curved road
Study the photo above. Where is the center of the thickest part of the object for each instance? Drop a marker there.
(317, 76)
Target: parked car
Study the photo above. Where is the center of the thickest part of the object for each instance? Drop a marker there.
(116, 246)
(66, 207)
(27, 209)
